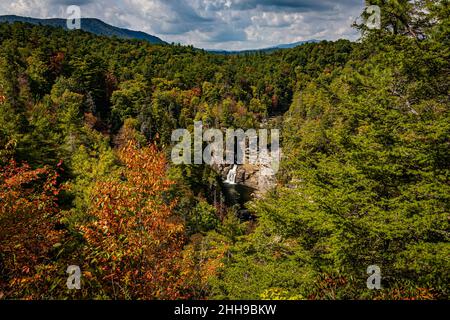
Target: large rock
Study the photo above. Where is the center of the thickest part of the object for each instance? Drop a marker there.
(257, 177)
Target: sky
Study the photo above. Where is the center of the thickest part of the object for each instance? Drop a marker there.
(212, 24)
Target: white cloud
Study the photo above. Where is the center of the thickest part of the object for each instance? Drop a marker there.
(215, 24)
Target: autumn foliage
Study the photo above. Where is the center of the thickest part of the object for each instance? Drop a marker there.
(134, 238)
(28, 216)
(364, 178)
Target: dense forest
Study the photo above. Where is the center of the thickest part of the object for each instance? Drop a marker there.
(86, 177)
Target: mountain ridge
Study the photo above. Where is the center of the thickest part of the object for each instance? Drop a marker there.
(101, 28)
(91, 25)
(268, 49)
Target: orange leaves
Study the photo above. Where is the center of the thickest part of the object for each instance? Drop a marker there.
(146, 168)
(134, 235)
(23, 189)
(56, 62)
(28, 209)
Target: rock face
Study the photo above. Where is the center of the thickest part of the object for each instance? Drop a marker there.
(258, 177)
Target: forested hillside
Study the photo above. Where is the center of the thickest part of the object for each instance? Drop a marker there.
(91, 25)
(86, 179)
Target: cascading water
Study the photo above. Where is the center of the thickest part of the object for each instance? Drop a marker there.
(231, 177)
(237, 194)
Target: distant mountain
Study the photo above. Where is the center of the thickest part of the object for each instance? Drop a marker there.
(268, 50)
(91, 25)
(98, 27)
(293, 45)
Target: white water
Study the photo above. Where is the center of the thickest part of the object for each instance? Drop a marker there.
(231, 177)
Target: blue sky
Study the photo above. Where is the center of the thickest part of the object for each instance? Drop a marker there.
(212, 24)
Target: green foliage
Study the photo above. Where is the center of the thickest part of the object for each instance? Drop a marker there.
(365, 169)
(203, 217)
(366, 182)
(89, 165)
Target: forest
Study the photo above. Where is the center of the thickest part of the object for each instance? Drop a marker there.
(86, 177)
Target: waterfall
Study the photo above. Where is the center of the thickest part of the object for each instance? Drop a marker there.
(231, 177)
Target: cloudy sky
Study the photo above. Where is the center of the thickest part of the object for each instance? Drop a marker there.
(212, 24)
